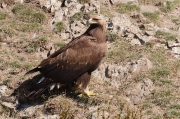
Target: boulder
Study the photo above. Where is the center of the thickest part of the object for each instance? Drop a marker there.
(122, 24)
(3, 90)
(138, 92)
(58, 16)
(120, 75)
(77, 28)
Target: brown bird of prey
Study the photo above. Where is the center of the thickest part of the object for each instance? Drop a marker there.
(74, 62)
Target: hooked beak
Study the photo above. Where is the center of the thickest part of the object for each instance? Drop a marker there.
(91, 21)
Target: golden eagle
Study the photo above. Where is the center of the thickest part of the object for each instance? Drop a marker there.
(74, 62)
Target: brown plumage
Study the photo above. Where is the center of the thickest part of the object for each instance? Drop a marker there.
(74, 62)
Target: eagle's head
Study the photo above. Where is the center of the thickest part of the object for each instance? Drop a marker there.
(97, 20)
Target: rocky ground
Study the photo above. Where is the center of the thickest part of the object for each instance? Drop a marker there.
(139, 78)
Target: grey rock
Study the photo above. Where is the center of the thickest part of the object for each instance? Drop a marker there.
(118, 75)
(74, 9)
(148, 8)
(150, 33)
(135, 42)
(77, 28)
(134, 2)
(56, 6)
(69, 3)
(122, 25)
(45, 3)
(3, 90)
(138, 92)
(58, 15)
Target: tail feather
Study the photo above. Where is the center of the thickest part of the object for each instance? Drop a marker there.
(32, 71)
(38, 88)
(36, 94)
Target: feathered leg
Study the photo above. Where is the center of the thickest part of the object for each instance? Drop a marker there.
(82, 84)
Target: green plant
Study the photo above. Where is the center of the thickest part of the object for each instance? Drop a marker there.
(84, 1)
(105, 11)
(175, 113)
(121, 51)
(17, 8)
(167, 36)
(26, 66)
(6, 81)
(15, 64)
(169, 6)
(151, 16)
(30, 27)
(77, 16)
(149, 1)
(38, 17)
(162, 97)
(6, 31)
(27, 14)
(176, 21)
(31, 50)
(149, 112)
(59, 44)
(2, 16)
(174, 106)
(159, 72)
(112, 36)
(126, 8)
(59, 27)
(34, 44)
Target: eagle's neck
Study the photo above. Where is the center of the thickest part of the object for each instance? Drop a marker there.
(97, 31)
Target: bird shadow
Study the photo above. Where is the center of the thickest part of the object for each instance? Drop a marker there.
(23, 101)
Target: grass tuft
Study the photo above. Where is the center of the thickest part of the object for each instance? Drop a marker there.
(151, 16)
(38, 17)
(30, 27)
(159, 72)
(167, 36)
(106, 12)
(18, 8)
(77, 16)
(175, 106)
(27, 14)
(59, 44)
(59, 27)
(126, 8)
(3, 16)
(112, 37)
(170, 5)
(83, 1)
(15, 64)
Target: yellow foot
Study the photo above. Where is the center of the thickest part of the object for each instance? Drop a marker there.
(88, 93)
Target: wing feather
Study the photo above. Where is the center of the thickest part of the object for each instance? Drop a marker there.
(73, 60)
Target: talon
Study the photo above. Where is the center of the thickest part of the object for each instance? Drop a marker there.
(87, 93)
(90, 93)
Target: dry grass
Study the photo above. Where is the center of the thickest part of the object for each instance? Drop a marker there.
(167, 36)
(126, 8)
(150, 1)
(151, 16)
(59, 27)
(27, 14)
